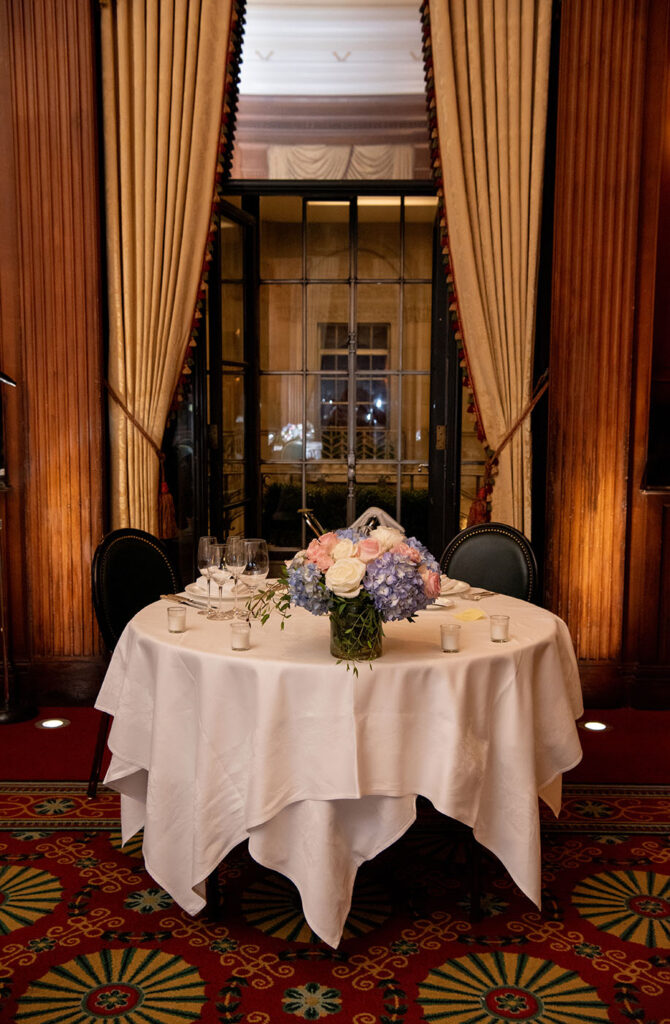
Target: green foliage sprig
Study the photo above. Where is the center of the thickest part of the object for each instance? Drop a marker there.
(273, 598)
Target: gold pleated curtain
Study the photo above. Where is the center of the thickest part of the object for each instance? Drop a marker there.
(163, 72)
(491, 68)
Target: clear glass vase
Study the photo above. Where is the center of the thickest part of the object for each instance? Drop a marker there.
(355, 631)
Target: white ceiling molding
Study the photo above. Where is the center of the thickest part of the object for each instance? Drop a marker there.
(298, 48)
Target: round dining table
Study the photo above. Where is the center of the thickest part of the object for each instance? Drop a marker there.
(319, 767)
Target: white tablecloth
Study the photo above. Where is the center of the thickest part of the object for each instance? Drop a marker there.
(320, 769)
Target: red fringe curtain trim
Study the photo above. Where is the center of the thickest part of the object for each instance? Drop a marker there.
(480, 510)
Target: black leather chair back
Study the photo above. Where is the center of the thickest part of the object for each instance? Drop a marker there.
(494, 556)
(130, 570)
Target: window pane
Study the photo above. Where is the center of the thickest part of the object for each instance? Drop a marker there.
(377, 305)
(233, 483)
(377, 419)
(233, 521)
(414, 506)
(281, 237)
(281, 497)
(232, 322)
(327, 412)
(232, 393)
(417, 327)
(327, 240)
(231, 250)
(281, 417)
(415, 417)
(327, 495)
(473, 459)
(327, 324)
(419, 218)
(280, 327)
(376, 486)
(379, 236)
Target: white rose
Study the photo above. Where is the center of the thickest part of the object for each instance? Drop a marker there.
(343, 549)
(344, 577)
(387, 537)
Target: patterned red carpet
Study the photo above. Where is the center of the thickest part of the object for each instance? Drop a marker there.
(87, 936)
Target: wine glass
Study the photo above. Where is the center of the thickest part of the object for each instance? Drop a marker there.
(219, 573)
(235, 560)
(257, 565)
(203, 566)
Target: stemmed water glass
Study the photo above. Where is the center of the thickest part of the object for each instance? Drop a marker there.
(219, 573)
(204, 545)
(257, 564)
(235, 560)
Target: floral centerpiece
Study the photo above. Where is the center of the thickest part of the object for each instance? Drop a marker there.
(360, 581)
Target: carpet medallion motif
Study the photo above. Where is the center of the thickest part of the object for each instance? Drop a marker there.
(86, 935)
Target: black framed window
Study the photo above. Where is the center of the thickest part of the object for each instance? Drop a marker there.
(326, 374)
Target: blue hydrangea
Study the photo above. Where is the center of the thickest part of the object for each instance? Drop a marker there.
(430, 561)
(395, 586)
(349, 534)
(305, 584)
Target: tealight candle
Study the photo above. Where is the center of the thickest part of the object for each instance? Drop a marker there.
(450, 635)
(500, 629)
(240, 636)
(176, 615)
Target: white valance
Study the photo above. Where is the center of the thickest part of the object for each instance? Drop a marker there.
(340, 162)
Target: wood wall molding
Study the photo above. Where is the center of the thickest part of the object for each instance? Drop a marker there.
(51, 336)
(599, 136)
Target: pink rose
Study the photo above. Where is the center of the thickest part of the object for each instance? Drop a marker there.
(431, 583)
(318, 555)
(368, 549)
(407, 552)
(328, 541)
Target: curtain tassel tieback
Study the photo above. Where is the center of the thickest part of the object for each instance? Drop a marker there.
(479, 509)
(167, 520)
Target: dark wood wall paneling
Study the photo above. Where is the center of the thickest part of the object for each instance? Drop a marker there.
(51, 336)
(647, 632)
(602, 186)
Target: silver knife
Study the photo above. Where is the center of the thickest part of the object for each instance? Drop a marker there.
(180, 600)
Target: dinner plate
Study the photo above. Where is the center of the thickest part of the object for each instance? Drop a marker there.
(440, 604)
(198, 593)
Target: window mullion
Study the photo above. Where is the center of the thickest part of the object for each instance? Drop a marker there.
(351, 363)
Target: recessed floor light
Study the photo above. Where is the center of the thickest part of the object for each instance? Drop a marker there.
(594, 726)
(52, 723)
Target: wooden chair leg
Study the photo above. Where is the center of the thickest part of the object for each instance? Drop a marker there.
(98, 754)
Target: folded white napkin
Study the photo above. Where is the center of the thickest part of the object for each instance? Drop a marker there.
(201, 584)
(448, 585)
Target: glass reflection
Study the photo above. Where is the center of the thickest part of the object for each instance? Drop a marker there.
(420, 213)
(280, 237)
(280, 327)
(379, 236)
(328, 240)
